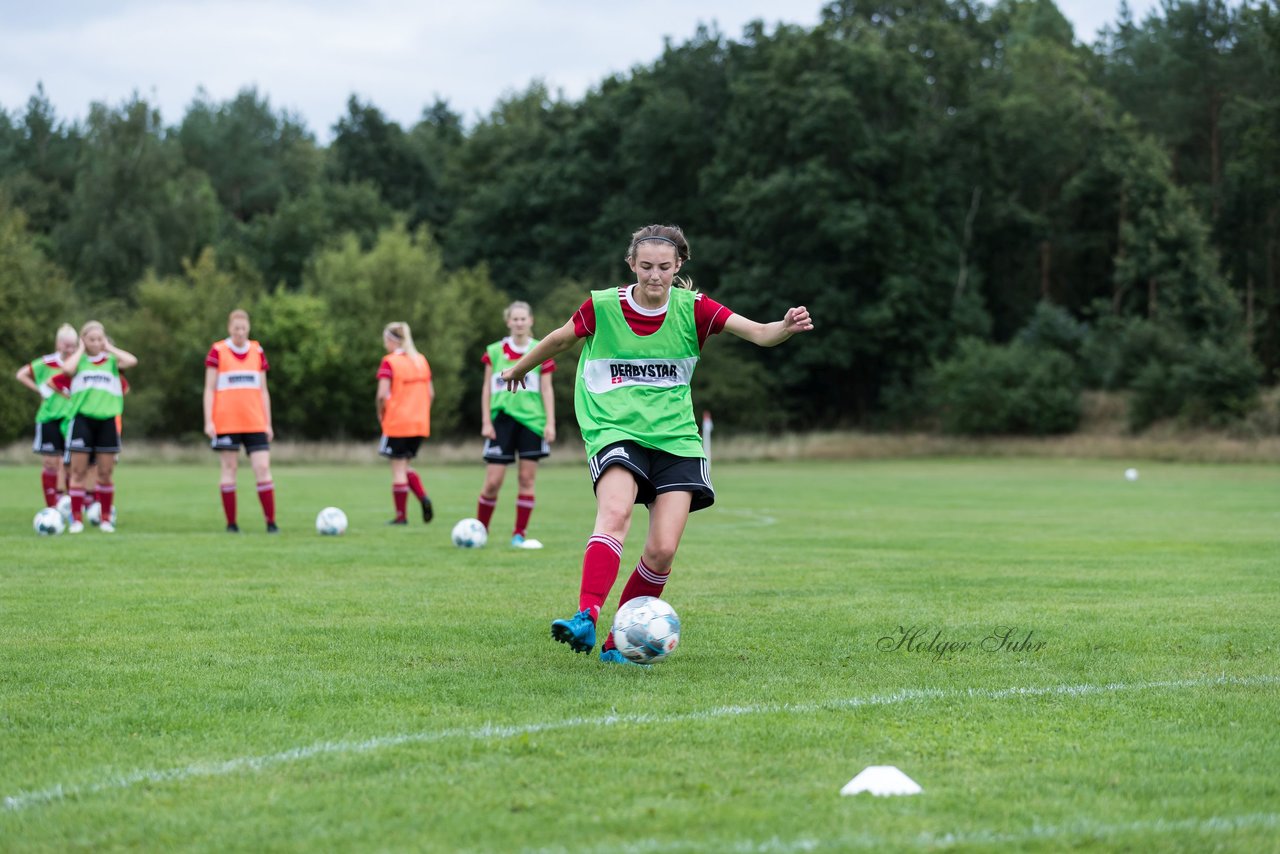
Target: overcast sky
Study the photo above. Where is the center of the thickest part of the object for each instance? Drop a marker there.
(308, 56)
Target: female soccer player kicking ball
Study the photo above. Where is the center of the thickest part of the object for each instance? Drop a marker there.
(515, 425)
(635, 413)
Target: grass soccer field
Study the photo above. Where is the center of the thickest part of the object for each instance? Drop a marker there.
(1061, 658)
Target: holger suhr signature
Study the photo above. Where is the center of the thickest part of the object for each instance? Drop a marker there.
(928, 640)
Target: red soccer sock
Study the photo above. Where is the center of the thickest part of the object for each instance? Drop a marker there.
(229, 502)
(524, 509)
(106, 495)
(400, 493)
(49, 482)
(484, 510)
(90, 496)
(643, 582)
(415, 485)
(77, 504)
(599, 571)
(267, 495)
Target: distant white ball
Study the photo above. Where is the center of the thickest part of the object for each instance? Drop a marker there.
(48, 522)
(469, 534)
(1130, 474)
(646, 630)
(331, 521)
(64, 506)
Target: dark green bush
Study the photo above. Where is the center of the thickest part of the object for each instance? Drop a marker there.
(1204, 384)
(987, 389)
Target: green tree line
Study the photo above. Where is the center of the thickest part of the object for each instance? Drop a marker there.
(985, 216)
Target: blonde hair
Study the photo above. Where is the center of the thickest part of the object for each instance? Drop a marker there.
(672, 235)
(238, 314)
(506, 312)
(66, 330)
(92, 326)
(398, 330)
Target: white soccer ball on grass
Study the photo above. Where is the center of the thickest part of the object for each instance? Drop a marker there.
(48, 522)
(469, 534)
(646, 630)
(93, 513)
(331, 521)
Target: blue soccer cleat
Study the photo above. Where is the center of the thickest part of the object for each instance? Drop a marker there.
(579, 632)
(612, 656)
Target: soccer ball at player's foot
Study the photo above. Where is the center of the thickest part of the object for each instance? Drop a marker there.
(469, 534)
(48, 522)
(331, 521)
(646, 630)
(93, 513)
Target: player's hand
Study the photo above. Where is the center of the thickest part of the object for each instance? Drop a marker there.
(513, 383)
(271, 434)
(210, 430)
(487, 431)
(550, 433)
(797, 320)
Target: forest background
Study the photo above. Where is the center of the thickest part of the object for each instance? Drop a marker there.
(987, 218)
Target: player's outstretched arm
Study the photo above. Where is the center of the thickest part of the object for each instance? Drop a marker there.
(548, 348)
(770, 334)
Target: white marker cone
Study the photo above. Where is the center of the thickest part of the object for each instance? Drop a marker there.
(881, 780)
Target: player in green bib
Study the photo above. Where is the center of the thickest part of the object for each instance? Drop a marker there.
(53, 411)
(515, 426)
(97, 399)
(632, 400)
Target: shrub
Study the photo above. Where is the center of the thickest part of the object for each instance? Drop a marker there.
(1206, 384)
(989, 389)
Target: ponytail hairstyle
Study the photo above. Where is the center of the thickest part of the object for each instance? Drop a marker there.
(669, 234)
(66, 330)
(398, 331)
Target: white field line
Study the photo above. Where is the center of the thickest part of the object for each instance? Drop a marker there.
(492, 732)
(1079, 830)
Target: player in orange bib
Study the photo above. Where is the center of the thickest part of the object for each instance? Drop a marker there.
(237, 411)
(403, 401)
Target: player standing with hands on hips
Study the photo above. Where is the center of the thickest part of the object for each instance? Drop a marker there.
(54, 409)
(635, 412)
(515, 426)
(237, 411)
(97, 399)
